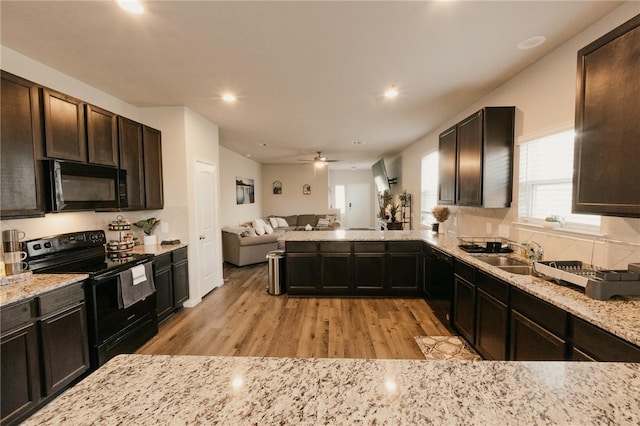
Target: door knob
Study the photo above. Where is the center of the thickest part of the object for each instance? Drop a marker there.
(202, 237)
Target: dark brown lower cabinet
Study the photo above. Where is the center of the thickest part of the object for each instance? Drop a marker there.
(20, 375)
(532, 342)
(464, 308)
(171, 278)
(369, 272)
(492, 322)
(44, 349)
(593, 343)
(301, 273)
(335, 273)
(180, 276)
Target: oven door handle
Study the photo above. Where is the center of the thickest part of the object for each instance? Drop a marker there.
(110, 275)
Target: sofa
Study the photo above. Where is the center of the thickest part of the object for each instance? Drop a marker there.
(244, 245)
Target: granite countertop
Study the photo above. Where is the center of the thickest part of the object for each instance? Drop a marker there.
(36, 284)
(619, 316)
(157, 249)
(159, 389)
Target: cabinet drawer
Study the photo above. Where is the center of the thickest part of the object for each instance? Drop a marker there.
(61, 298)
(335, 246)
(368, 247)
(16, 315)
(300, 246)
(493, 286)
(179, 255)
(602, 345)
(465, 271)
(163, 261)
(543, 313)
(405, 246)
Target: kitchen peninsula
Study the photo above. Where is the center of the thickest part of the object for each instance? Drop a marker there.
(158, 389)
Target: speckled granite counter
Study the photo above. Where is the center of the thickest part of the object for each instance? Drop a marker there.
(157, 249)
(620, 317)
(178, 390)
(35, 285)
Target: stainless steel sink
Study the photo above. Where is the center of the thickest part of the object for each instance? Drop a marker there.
(507, 264)
(500, 260)
(517, 269)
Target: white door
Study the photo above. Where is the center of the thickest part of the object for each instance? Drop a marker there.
(209, 269)
(358, 205)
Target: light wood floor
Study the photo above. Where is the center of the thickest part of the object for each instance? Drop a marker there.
(242, 319)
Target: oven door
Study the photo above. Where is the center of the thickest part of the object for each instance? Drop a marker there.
(77, 187)
(117, 330)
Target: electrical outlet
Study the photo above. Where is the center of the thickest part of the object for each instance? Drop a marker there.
(455, 221)
(489, 228)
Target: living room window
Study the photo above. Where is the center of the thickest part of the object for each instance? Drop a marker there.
(429, 188)
(546, 182)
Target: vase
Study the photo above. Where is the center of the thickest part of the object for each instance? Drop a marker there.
(440, 227)
(150, 240)
(435, 227)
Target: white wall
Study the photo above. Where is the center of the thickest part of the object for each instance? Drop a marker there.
(292, 201)
(544, 95)
(234, 165)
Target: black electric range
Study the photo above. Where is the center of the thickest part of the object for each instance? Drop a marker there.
(113, 329)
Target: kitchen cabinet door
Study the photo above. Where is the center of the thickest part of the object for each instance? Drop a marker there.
(464, 307)
(153, 186)
(447, 158)
(21, 189)
(180, 277)
(301, 271)
(65, 348)
(532, 342)
(600, 345)
(64, 125)
(469, 175)
(102, 136)
(335, 273)
(492, 324)
(131, 160)
(405, 267)
(607, 142)
(162, 278)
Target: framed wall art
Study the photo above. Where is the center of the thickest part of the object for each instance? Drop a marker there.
(245, 191)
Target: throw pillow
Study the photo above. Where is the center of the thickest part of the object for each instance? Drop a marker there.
(268, 229)
(258, 225)
(250, 233)
(282, 223)
(274, 222)
(322, 223)
(332, 218)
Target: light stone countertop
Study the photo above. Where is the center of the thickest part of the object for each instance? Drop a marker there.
(620, 316)
(35, 285)
(158, 249)
(180, 390)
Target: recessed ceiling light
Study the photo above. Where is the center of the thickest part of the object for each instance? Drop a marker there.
(132, 6)
(229, 97)
(391, 92)
(261, 144)
(248, 155)
(531, 42)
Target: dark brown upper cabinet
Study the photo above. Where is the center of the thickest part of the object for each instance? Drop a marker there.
(153, 188)
(447, 148)
(64, 124)
(102, 136)
(606, 171)
(21, 192)
(481, 172)
(131, 160)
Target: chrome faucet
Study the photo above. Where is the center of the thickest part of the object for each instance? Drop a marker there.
(530, 253)
(539, 252)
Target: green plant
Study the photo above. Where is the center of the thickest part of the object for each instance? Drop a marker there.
(393, 211)
(384, 200)
(553, 218)
(147, 225)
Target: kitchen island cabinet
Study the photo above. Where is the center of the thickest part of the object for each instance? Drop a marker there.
(347, 391)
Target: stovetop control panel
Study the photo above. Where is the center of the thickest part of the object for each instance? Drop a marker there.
(64, 242)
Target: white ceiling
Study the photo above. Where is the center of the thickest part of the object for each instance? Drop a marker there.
(309, 76)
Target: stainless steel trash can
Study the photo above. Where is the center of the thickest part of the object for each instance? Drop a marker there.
(276, 272)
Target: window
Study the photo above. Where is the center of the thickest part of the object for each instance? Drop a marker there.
(546, 173)
(429, 188)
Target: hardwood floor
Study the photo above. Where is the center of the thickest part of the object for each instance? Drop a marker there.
(242, 319)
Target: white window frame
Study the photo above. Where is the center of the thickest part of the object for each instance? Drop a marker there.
(428, 171)
(525, 193)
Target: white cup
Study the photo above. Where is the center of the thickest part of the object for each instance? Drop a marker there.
(14, 256)
(15, 268)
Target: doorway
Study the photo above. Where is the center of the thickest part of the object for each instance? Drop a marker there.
(209, 270)
(357, 205)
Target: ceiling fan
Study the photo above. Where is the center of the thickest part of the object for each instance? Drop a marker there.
(319, 160)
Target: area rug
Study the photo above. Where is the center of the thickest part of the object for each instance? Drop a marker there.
(446, 348)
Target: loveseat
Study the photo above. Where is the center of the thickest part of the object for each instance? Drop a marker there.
(241, 244)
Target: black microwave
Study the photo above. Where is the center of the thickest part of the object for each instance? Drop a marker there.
(76, 187)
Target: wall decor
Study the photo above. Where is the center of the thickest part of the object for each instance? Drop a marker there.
(245, 191)
(306, 189)
(277, 187)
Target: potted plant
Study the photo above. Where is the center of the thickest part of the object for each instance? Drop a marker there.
(393, 211)
(405, 198)
(147, 226)
(441, 214)
(553, 221)
(384, 200)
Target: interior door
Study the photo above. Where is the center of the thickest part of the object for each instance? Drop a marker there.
(209, 269)
(358, 205)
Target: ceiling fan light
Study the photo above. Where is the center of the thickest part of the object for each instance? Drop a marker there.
(319, 164)
(132, 6)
